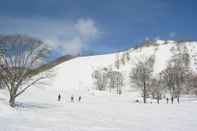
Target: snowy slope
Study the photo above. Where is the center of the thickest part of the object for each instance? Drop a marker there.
(76, 73)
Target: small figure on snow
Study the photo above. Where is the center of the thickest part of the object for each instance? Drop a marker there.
(178, 99)
(172, 99)
(59, 97)
(72, 98)
(167, 100)
(79, 98)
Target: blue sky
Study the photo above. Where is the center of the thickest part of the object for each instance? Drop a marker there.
(101, 26)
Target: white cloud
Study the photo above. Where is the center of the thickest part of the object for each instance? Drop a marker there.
(86, 28)
(80, 34)
(62, 35)
(85, 32)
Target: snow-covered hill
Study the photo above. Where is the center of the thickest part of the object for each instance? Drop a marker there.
(76, 73)
(99, 110)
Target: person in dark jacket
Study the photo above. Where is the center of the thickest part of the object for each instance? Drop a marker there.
(167, 100)
(172, 99)
(79, 98)
(59, 97)
(178, 99)
(72, 98)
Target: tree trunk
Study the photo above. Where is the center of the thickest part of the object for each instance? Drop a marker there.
(144, 95)
(119, 92)
(158, 99)
(12, 101)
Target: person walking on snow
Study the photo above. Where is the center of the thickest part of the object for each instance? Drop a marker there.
(167, 99)
(72, 98)
(79, 98)
(59, 97)
(178, 99)
(172, 99)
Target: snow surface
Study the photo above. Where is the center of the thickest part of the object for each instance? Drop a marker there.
(100, 112)
(39, 109)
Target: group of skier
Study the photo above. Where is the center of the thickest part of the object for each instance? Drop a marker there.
(79, 99)
(71, 98)
(172, 100)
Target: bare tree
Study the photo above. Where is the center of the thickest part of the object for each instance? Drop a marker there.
(100, 76)
(123, 59)
(19, 63)
(141, 74)
(127, 56)
(117, 61)
(177, 72)
(168, 76)
(192, 83)
(156, 88)
(181, 62)
(116, 81)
